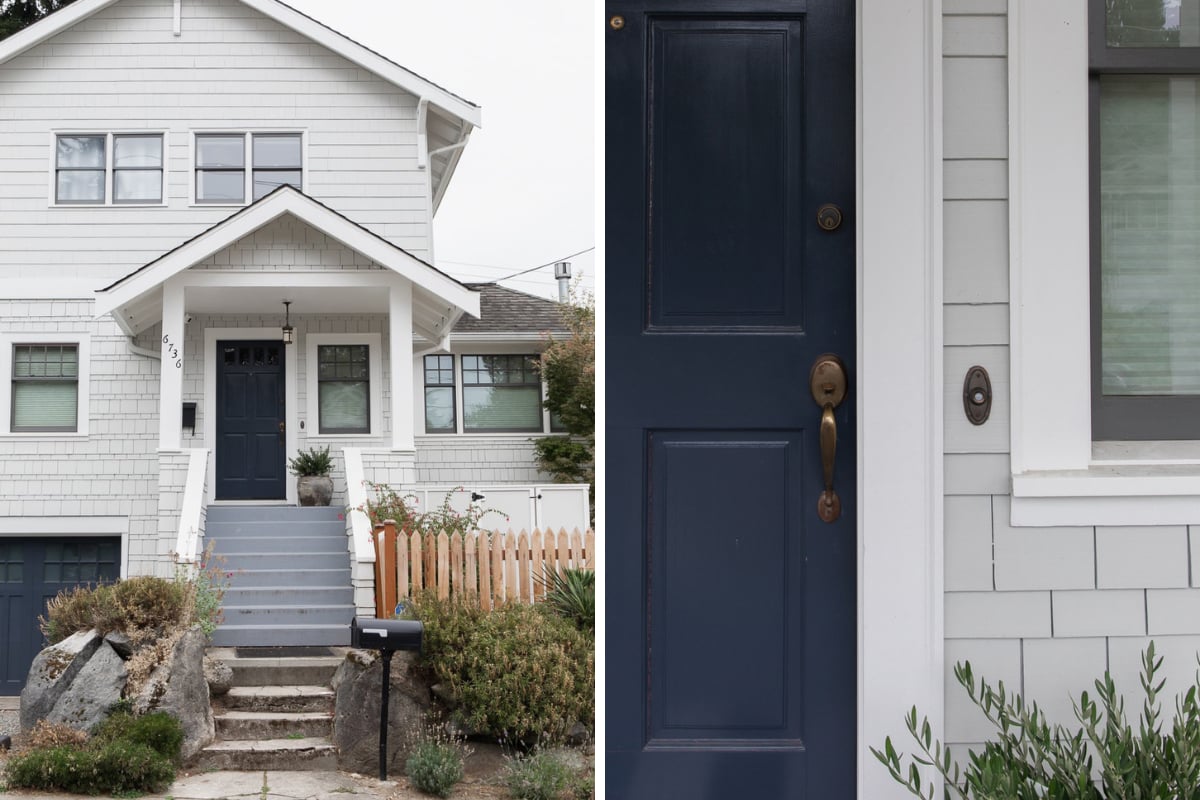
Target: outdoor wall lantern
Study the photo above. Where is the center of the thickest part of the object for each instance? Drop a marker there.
(289, 333)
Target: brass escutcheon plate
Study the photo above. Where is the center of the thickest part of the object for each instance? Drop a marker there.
(828, 380)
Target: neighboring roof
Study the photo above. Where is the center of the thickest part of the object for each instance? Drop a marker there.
(134, 292)
(344, 46)
(503, 310)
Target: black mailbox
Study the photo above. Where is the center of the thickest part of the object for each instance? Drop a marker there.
(386, 634)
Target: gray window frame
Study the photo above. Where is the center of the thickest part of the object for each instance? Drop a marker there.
(1127, 417)
(102, 169)
(322, 430)
(15, 380)
(162, 158)
(255, 169)
(452, 386)
(537, 381)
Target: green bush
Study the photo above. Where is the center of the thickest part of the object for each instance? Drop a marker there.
(1031, 759)
(572, 595)
(124, 754)
(544, 776)
(434, 767)
(311, 462)
(519, 673)
(159, 731)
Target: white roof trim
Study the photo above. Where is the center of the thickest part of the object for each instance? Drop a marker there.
(285, 200)
(306, 26)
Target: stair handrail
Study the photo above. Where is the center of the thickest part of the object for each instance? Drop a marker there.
(361, 542)
(191, 509)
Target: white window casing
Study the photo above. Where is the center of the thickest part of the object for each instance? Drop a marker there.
(1059, 476)
(248, 168)
(374, 344)
(83, 342)
(109, 170)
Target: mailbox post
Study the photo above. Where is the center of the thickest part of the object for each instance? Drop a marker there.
(386, 636)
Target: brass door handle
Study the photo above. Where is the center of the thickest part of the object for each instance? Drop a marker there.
(828, 382)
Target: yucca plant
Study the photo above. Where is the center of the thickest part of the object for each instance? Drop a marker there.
(1031, 759)
(571, 593)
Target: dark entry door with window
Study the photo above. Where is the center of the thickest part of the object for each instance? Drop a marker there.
(730, 584)
(32, 571)
(250, 421)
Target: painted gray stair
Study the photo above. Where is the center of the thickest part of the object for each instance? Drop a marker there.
(291, 575)
(277, 716)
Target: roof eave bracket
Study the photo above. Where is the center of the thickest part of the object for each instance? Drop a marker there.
(423, 133)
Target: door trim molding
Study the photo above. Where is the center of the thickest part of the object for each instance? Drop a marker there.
(290, 413)
(900, 434)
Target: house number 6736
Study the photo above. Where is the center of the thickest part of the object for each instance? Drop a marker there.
(173, 352)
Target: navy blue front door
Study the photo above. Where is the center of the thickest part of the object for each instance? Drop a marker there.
(730, 610)
(33, 571)
(250, 433)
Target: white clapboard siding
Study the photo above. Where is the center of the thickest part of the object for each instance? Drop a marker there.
(123, 70)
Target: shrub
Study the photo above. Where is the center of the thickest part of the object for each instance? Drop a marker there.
(1030, 759)
(520, 672)
(386, 503)
(127, 766)
(311, 462)
(572, 595)
(134, 604)
(159, 731)
(48, 735)
(434, 766)
(544, 776)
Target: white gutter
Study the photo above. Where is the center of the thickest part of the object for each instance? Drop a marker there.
(141, 351)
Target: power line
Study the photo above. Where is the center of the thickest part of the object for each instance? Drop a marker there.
(548, 264)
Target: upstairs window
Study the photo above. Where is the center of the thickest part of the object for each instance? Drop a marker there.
(222, 177)
(1145, 184)
(501, 393)
(102, 168)
(45, 387)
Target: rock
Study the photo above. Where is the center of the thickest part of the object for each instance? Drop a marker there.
(578, 735)
(120, 642)
(219, 676)
(5, 742)
(186, 695)
(357, 685)
(96, 687)
(52, 672)
(443, 693)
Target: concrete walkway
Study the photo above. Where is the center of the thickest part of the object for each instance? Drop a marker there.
(257, 786)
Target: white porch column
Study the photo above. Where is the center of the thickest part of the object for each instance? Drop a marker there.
(400, 348)
(170, 387)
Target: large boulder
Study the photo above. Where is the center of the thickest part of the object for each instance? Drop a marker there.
(52, 672)
(178, 687)
(357, 685)
(96, 687)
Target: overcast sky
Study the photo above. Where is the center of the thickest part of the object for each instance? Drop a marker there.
(523, 192)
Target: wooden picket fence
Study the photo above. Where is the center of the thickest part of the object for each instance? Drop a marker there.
(493, 567)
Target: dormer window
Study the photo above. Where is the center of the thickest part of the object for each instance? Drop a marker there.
(222, 177)
(108, 168)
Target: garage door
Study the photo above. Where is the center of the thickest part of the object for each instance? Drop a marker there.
(33, 571)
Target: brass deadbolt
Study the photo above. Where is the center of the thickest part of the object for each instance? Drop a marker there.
(829, 217)
(617, 22)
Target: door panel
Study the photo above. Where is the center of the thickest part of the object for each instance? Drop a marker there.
(730, 603)
(250, 455)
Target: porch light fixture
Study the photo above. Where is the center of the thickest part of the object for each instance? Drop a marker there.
(289, 333)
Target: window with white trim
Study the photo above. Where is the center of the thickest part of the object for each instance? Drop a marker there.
(108, 168)
(47, 384)
(344, 384)
(233, 166)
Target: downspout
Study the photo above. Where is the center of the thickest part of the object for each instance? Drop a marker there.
(141, 351)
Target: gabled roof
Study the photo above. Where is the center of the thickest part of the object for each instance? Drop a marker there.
(503, 310)
(285, 15)
(444, 297)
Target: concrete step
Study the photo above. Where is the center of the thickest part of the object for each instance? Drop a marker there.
(274, 616)
(261, 578)
(275, 527)
(313, 753)
(276, 675)
(244, 725)
(258, 635)
(311, 596)
(296, 699)
(231, 546)
(270, 512)
(291, 560)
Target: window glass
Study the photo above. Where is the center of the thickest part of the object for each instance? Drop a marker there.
(137, 152)
(277, 150)
(439, 395)
(501, 393)
(45, 387)
(220, 151)
(1152, 23)
(343, 389)
(267, 181)
(79, 168)
(215, 187)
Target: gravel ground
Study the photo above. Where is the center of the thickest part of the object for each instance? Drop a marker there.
(9, 724)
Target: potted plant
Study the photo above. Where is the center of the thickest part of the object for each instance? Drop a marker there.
(314, 487)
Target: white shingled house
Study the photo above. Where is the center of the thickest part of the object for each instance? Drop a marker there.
(917, 195)
(216, 251)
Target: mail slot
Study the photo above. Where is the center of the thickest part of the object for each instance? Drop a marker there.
(386, 634)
